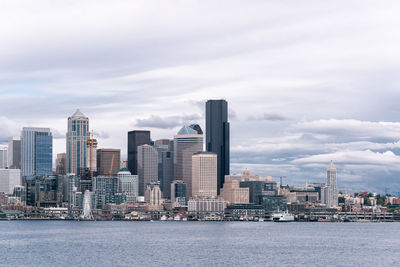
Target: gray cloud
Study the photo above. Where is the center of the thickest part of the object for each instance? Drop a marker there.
(168, 122)
(269, 117)
(125, 61)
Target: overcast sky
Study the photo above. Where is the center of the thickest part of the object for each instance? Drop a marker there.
(306, 81)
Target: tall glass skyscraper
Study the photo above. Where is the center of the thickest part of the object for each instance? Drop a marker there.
(135, 139)
(77, 137)
(217, 136)
(36, 152)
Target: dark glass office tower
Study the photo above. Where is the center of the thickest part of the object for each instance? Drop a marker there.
(217, 136)
(135, 139)
(43, 154)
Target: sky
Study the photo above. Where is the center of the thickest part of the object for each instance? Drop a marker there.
(307, 82)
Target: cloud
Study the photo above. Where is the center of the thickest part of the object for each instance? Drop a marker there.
(269, 117)
(387, 158)
(8, 128)
(168, 122)
(155, 64)
(352, 129)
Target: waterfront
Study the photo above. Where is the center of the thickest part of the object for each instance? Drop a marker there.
(66, 243)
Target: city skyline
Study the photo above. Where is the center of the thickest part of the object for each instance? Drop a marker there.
(302, 86)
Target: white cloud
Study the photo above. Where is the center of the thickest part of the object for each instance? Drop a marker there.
(147, 63)
(367, 157)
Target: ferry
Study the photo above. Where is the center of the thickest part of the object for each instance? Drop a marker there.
(283, 217)
(134, 216)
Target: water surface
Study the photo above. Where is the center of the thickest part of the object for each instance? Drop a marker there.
(66, 243)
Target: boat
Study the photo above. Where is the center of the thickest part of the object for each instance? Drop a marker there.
(177, 218)
(283, 217)
(163, 218)
(260, 219)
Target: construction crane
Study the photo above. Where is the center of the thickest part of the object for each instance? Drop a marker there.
(111, 166)
(92, 145)
(280, 178)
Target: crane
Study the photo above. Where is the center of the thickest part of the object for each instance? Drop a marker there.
(280, 178)
(111, 166)
(92, 145)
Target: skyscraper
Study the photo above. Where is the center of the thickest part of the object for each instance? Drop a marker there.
(187, 142)
(204, 174)
(36, 152)
(14, 152)
(217, 136)
(77, 137)
(3, 157)
(135, 139)
(108, 161)
(147, 165)
(165, 165)
(331, 186)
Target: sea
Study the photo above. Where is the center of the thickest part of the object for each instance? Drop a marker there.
(159, 243)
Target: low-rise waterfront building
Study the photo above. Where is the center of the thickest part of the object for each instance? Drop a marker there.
(232, 193)
(238, 212)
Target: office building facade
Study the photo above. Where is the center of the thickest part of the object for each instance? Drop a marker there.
(108, 161)
(331, 187)
(14, 152)
(187, 142)
(204, 174)
(105, 190)
(232, 193)
(135, 139)
(36, 152)
(3, 157)
(128, 185)
(9, 178)
(178, 192)
(153, 195)
(217, 136)
(77, 137)
(61, 164)
(147, 164)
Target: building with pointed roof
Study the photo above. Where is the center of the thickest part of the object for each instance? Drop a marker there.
(77, 137)
(331, 186)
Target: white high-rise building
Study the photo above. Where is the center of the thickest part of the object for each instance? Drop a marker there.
(3, 157)
(331, 187)
(77, 137)
(204, 174)
(128, 185)
(9, 178)
(147, 164)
